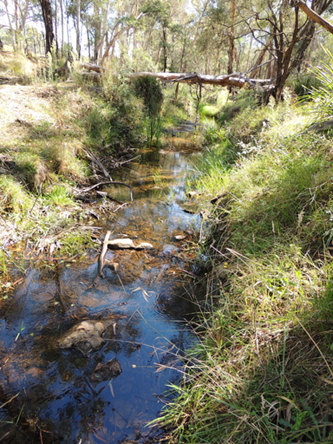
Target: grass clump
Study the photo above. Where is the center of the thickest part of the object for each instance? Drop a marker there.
(14, 199)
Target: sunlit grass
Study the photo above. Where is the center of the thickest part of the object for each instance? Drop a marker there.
(263, 369)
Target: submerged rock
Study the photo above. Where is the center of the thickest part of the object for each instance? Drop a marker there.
(111, 265)
(104, 372)
(126, 244)
(179, 237)
(144, 246)
(121, 244)
(86, 336)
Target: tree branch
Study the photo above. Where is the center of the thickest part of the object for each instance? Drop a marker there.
(313, 15)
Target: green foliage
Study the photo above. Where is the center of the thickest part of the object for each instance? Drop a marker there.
(304, 85)
(149, 90)
(323, 95)
(97, 125)
(125, 118)
(244, 101)
(59, 196)
(206, 110)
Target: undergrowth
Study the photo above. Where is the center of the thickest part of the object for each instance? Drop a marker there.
(262, 371)
(49, 131)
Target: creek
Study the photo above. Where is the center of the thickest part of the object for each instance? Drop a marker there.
(52, 395)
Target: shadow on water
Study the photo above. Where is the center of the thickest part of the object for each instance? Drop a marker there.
(56, 395)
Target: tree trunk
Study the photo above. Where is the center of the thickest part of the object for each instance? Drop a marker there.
(78, 20)
(62, 28)
(12, 32)
(47, 18)
(56, 24)
(231, 36)
(164, 49)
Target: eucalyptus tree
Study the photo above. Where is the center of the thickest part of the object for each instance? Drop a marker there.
(16, 13)
(280, 29)
(48, 24)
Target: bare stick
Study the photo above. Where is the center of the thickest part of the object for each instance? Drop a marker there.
(101, 258)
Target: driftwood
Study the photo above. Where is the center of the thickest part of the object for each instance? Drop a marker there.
(236, 79)
(101, 259)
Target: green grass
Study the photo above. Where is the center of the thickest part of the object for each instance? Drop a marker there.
(263, 369)
(45, 130)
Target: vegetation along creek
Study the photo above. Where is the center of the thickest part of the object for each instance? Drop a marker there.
(166, 222)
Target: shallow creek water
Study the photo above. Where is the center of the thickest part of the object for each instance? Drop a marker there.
(142, 306)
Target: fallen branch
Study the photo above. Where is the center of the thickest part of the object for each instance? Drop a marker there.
(98, 163)
(127, 161)
(235, 79)
(91, 67)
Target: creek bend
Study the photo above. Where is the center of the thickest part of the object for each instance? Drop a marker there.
(142, 306)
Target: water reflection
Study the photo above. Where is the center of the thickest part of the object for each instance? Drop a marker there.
(141, 305)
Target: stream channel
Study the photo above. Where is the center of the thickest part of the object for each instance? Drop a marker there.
(56, 395)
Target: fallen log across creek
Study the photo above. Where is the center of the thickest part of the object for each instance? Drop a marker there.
(236, 79)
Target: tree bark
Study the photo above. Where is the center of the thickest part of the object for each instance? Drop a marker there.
(62, 28)
(231, 36)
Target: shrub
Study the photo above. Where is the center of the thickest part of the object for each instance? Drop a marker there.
(304, 85)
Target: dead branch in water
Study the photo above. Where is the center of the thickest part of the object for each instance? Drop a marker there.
(94, 159)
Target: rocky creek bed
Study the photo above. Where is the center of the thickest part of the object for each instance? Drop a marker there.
(83, 363)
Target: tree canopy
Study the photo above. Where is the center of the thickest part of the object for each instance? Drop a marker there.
(259, 39)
